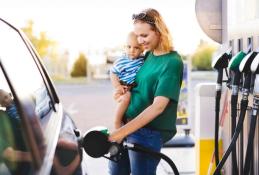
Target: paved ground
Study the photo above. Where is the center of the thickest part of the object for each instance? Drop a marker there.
(92, 105)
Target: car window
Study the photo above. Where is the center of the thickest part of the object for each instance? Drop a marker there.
(23, 71)
(14, 154)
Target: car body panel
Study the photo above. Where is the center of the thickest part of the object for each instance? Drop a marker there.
(47, 130)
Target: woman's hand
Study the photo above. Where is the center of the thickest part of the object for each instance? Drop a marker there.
(146, 116)
(115, 136)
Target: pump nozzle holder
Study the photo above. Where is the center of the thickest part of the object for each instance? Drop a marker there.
(246, 62)
(255, 65)
(221, 61)
(236, 60)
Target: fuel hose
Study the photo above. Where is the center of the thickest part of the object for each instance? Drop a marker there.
(244, 103)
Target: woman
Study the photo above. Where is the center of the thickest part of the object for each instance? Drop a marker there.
(150, 119)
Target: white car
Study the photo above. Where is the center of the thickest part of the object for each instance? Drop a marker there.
(36, 134)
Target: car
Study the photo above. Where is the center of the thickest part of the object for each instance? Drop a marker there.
(37, 136)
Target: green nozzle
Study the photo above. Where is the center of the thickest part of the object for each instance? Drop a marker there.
(236, 60)
(105, 131)
(101, 129)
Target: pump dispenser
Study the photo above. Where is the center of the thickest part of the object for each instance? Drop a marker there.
(236, 77)
(219, 63)
(244, 67)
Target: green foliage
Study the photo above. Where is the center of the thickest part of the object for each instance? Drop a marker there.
(79, 68)
(42, 43)
(201, 59)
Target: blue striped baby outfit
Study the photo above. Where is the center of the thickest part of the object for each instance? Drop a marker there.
(126, 68)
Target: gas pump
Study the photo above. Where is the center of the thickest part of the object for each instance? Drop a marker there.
(254, 113)
(244, 67)
(219, 63)
(236, 74)
(95, 143)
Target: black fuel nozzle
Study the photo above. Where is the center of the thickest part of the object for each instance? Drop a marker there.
(255, 70)
(254, 65)
(96, 144)
(245, 67)
(220, 62)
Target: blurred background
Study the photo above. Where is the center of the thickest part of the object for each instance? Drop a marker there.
(78, 41)
(82, 38)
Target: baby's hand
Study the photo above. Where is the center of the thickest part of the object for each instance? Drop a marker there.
(9, 154)
(119, 90)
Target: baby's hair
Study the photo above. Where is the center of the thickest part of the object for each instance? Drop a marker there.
(132, 34)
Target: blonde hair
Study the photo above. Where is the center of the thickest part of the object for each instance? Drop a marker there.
(155, 20)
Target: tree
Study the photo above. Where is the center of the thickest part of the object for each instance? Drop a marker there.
(42, 43)
(79, 68)
(201, 59)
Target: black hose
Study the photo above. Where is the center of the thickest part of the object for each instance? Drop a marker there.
(249, 150)
(234, 100)
(139, 148)
(234, 138)
(244, 103)
(241, 151)
(217, 109)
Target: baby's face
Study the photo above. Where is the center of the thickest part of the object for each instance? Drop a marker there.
(5, 99)
(133, 48)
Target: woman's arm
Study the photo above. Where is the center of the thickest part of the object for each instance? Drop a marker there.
(149, 114)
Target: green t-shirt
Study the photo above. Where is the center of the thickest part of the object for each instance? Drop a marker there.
(159, 76)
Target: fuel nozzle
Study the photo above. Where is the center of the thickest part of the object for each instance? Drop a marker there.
(255, 69)
(246, 62)
(235, 83)
(220, 62)
(234, 67)
(245, 67)
(96, 144)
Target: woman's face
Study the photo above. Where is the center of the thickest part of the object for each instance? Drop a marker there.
(146, 36)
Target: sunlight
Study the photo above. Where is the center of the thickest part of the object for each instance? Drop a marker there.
(83, 25)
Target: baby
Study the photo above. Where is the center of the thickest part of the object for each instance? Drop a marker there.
(123, 74)
(6, 101)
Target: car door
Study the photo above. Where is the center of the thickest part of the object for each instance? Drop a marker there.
(40, 117)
